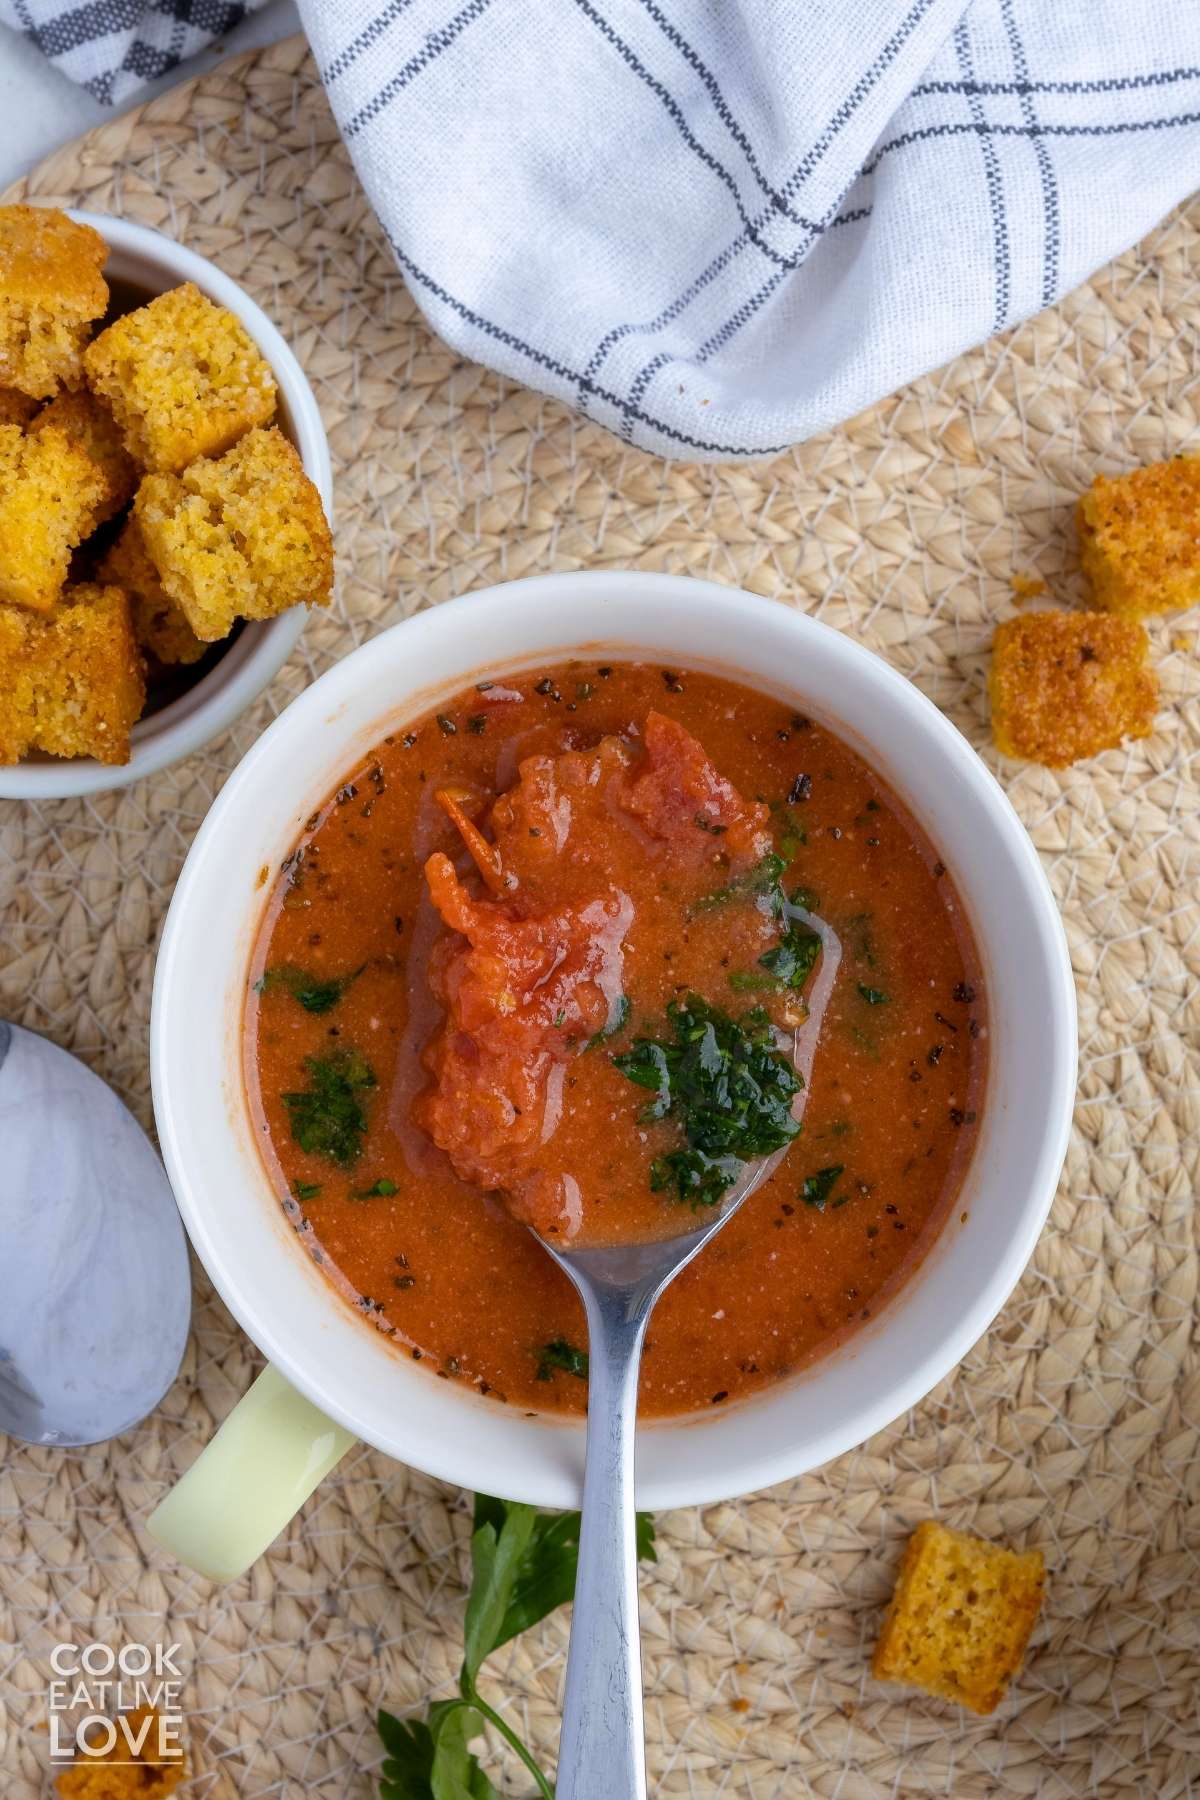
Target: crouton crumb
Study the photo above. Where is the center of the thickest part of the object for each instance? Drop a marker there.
(1139, 538)
(150, 1775)
(16, 408)
(961, 1616)
(1067, 685)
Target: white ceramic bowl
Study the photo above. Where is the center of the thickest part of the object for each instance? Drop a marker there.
(237, 1225)
(154, 262)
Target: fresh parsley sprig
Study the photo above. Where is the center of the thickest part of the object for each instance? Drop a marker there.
(523, 1566)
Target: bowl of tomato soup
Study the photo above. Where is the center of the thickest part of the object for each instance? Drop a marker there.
(548, 912)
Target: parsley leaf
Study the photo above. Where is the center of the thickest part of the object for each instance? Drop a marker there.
(761, 882)
(561, 1355)
(309, 991)
(794, 957)
(617, 1020)
(694, 1175)
(873, 996)
(496, 1557)
(327, 1119)
(431, 1761)
(306, 1190)
(817, 1188)
(378, 1190)
(728, 1087)
(523, 1567)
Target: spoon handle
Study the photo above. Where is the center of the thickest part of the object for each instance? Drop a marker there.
(602, 1753)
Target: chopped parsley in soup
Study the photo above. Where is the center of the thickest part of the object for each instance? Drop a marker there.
(574, 952)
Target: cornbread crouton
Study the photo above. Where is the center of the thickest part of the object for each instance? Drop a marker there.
(1066, 685)
(16, 408)
(1139, 538)
(89, 424)
(960, 1617)
(183, 377)
(73, 684)
(158, 623)
(240, 537)
(51, 290)
(152, 1774)
(49, 491)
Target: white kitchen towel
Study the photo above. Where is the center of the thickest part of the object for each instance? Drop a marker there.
(719, 226)
(113, 47)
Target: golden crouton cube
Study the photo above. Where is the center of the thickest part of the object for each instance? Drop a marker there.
(89, 424)
(158, 623)
(1068, 684)
(51, 290)
(183, 377)
(73, 684)
(243, 536)
(960, 1617)
(152, 1772)
(16, 408)
(49, 491)
(1139, 538)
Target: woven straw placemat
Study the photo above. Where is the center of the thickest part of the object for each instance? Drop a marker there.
(1073, 1425)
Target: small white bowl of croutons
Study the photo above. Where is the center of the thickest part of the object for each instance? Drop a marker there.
(165, 494)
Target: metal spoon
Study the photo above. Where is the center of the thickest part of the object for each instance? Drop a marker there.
(95, 1290)
(602, 1751)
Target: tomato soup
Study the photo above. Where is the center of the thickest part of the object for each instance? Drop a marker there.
(574, 953)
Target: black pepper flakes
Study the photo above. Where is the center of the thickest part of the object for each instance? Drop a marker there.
(446, 725)
(800, 790)
(964, 992)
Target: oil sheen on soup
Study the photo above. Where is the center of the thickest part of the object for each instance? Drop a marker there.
(552, 957)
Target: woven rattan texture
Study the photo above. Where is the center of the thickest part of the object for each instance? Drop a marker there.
(1073, 1425)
